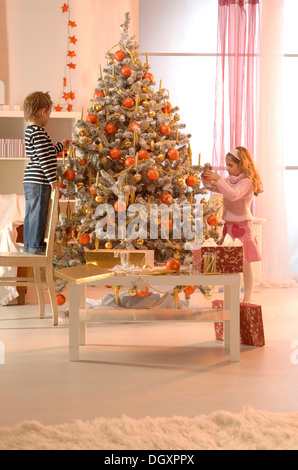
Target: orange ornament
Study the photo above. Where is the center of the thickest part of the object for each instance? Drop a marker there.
(119, 55)
(92, 190)
(153, 174)
(173, 154)
(167, 108)
(128, 103)
(115, 154)
(98, 94)
(130, 161)
(91, 119)
(149, 75)
(143, 293)
(60, 299)
(84, 239)
(189, 290)
(120, 206)
(212, 220)
(166, 224)
(166, 198)
(165, 130)
(110, 129)
(134, 126)
(69, 175)
(173, 265)
(143, 154)
(191, 181)
(126, 71)
(70, 233)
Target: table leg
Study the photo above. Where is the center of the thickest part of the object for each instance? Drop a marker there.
(235, 323)
(74, 322)
(82, 293)
(226, 324)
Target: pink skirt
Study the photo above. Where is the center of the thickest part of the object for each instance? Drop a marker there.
(244, 231)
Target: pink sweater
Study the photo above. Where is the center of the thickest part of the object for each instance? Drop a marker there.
(237, 194)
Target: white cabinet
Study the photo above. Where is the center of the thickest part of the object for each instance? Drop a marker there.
(13, 126)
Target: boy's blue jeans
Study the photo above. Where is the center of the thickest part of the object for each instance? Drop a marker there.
(37, 198)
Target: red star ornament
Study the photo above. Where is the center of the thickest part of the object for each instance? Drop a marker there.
(73, 39)
(58, 108)
(71, 65)
(66, 96)
(69, 107)
(72, 95)
(64, 8)
(71, 54)
(72, 24)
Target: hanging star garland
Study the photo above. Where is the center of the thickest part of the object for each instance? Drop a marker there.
(67, 93)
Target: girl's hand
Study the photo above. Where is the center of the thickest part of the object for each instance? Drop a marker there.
(211, 175)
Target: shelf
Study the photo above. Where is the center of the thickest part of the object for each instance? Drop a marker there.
(55, 115)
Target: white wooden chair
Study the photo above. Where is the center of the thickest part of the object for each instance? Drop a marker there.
(42, 265)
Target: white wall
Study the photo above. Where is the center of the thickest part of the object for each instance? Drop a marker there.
(34, 42)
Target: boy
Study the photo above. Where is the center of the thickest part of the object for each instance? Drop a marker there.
(41, 172)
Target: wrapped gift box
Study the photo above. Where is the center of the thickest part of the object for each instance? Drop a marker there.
(229, 259)
(108, 259)
(251, 324)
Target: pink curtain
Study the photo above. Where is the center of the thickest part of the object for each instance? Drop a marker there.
(236, 79)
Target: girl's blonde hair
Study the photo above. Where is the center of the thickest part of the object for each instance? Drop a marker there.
(247, 166)
(35, 102)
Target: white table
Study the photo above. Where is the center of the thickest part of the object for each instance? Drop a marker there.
(79, 277)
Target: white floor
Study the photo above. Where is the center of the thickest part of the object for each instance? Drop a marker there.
(144, 369)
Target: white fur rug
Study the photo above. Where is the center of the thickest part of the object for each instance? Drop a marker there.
(221, 430)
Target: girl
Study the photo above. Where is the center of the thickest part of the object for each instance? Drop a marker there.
(238, 190)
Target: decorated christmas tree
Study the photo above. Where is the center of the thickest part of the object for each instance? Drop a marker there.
(130, 169)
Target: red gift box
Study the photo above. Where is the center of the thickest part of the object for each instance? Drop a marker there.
(251, 324)
(229, 259)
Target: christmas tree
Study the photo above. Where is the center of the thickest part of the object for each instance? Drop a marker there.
(130, 169)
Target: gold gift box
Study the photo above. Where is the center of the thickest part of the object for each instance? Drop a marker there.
(108, 259)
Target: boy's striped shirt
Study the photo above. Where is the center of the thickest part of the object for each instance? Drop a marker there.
(42, 168)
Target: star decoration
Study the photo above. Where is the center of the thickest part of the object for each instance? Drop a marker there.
(73, 39)
(66, 96)
(71, 65)
(69, 107)
(64, 8)
(58, 108)
(72, 24)
(72, 95)
(71, 54)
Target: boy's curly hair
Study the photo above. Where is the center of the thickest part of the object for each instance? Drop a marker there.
(35, 102)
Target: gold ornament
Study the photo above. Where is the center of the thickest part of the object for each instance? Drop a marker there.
(127, 144)
(109, 245)
(138, 177)
(151, 113)
(100, 147)
(104, 160)
(132, 292)
(145, 103)
(82, 133)
(99, 199)
(110, 61)
(145, 89)
(98, 107)
(176, 117)
(152, 145)
(140, 242)
(89, 140)
(161, 157)
(177, 255)
(116, 115)
(180, 181)
(147, 266)
(89, 211)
